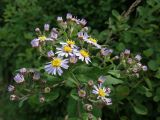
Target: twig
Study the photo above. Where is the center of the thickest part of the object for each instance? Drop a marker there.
(131, 8)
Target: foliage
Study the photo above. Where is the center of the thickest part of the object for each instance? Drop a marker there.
(139, 32)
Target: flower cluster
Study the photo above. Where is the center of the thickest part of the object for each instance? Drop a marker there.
(69, 49)
(132, 63)
(101, 93)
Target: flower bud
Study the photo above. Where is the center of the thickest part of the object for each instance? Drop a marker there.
(105, 51)
(88, 107)
(19, 78)
(36, 76)
(59, 19)
(37, 30)
(73, 59)
(46, 27)
(35, 42)
(81, 93)
(101, 79)
(90, 83)
(83, 22)
(50, 53)
(41, 99)
(69, 16)
(47, 89)
(90, 116)
(129, 61)
(138, 57)
(23, 70)
(11, 88)
(13, 97)
(144, 68)
(127, 52)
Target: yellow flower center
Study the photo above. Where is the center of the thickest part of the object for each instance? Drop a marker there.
(67, 49)
(101, 92)
(70, 42)
(56, 62)
(42, 38)
(93, 40)
(84, 53)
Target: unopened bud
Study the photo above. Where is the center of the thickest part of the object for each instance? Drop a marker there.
(88, 107)
(90, 83)
(90, 116)
(36, 76)
(46, 27)
(41, 99)
(138, 57)
(59, 19)
(127, 52)
(81, 93)
(73, 59)
(144, 68)
(13, 97)
(11, 88)
(37, 30)
(47, 89)
(23, 70)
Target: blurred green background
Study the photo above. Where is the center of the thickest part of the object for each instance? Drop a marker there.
(139, 31)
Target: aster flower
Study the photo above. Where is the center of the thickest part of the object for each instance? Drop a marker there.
(82, 35)
(102, 93)
(50, 53)
(83, 22)
(70, 43)
(83, 55)
(35, 42)
(101, 79)
(65, 50)
(105, 51)
(93, 42)
(55, 66)
(19, 78)
(23, 70)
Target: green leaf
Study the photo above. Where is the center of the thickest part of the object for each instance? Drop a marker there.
(148, 52)
(122, 91)
(140, 109)
(112, 81)
(115, 73)
(74, 94)
(153, 65)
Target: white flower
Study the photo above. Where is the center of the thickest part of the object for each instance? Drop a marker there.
(19, 78)
(102, 93)
(66, 51)
(70, 43)
(55, 66)
(35, 42)
(50, 53)
(93, 42)
(83, 55)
